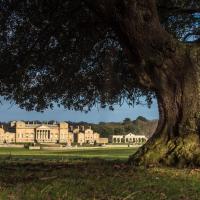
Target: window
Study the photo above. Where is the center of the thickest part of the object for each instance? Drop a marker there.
(48, 134)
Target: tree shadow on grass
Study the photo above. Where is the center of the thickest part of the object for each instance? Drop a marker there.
(104, 179)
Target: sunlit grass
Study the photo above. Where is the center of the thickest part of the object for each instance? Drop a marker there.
(90, 174)
(96, 179)
(103, 153)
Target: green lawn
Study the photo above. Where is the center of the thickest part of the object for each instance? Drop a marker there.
(104, 153)
(70, 175)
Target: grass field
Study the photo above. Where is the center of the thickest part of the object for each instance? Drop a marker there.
(90, 174)
(104, 153)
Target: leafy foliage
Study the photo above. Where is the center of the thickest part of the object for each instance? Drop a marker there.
(62, 52)
(138, 126)
(181, 18)
(127, 120)
(141, 118)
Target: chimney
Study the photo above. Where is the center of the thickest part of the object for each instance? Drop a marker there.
(71, 128)
(83, 128)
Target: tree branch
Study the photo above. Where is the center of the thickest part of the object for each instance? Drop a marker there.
(179, 10)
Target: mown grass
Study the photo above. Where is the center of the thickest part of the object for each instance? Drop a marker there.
(104, 153)
(93, 178)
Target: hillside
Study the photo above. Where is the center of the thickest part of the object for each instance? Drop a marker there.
(140, 126)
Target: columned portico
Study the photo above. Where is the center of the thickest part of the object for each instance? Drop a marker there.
(43, 133)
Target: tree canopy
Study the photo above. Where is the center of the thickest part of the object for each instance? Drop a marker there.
(71, 52)
(84, 52)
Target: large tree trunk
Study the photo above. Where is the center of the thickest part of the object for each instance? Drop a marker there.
(177, 138)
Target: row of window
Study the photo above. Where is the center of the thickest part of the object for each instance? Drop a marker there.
(129, 140)
(21, 135)
(25, 135)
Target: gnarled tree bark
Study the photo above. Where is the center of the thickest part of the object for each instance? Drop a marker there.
(176, 140)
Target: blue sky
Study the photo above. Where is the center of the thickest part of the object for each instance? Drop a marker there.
(8, 113)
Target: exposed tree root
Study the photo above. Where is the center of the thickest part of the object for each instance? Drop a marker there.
(180, 152)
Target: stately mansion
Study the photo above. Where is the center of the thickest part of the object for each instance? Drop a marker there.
(21, 132)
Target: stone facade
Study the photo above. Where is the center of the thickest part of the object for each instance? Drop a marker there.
(87, 136)
(116, 139)
(132, 138)
(103, 140)
(129, 138)
(6, 137)
(42, 133)
(21, 132)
